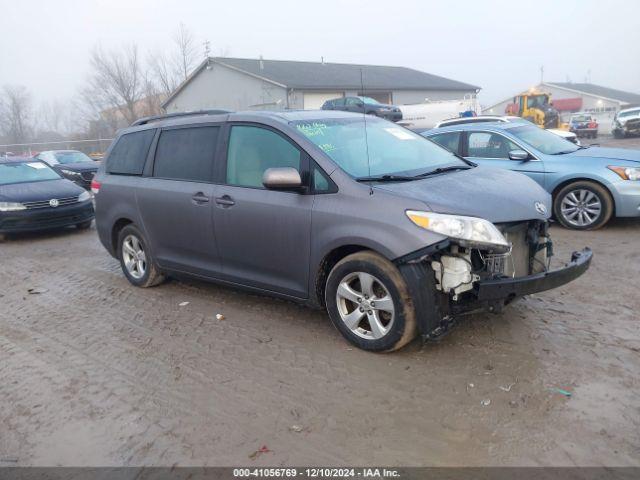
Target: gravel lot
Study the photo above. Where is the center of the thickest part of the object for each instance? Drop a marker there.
(96, 372)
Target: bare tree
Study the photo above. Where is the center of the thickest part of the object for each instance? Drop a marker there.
(170, 69)
(15, 114)
(116, 82)
(163, 73)
(187, 51)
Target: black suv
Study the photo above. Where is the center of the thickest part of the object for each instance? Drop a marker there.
(366, 105)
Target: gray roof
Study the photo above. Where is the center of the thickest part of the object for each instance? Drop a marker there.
(307, 75)
(599, 91)
(332, 76)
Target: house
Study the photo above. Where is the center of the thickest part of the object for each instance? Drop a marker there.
(252, 84)
(568, 97)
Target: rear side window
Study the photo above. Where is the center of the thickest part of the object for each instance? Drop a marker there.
(450, 141)
(186, 154)
(252, 150)
(128, 155)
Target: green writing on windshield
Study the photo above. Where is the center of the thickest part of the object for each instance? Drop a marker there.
(327, 147)
(312, 129)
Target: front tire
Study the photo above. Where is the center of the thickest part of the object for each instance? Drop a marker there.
(583, 205)
(136, 259)
(368, 301)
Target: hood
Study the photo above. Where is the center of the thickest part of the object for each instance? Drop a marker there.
(79, 167)
(495, 194)
(38, 191)
(611, 153)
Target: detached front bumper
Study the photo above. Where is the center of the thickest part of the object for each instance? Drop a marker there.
(509, 288)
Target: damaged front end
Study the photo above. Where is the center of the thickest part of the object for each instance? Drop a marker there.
(452, 278)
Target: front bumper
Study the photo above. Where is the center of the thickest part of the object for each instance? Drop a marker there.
(506, 289)
(392, 116)
(47, 218)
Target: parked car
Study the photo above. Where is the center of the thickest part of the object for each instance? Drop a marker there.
(71, 164)
(366, 105)
(583, 125)
(389, 232)
(570, 136)
(35, 197)
(626, 122)
(588, 184)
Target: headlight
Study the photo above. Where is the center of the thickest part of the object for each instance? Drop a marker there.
(11, 207)
(84, 196)
(69, 173)
(469, 231)
(626, 173)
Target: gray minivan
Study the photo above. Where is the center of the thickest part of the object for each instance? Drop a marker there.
(391, 233)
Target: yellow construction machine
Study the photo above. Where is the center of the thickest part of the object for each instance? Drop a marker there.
(537, 108)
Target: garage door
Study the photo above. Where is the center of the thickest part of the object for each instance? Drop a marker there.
(313, 101)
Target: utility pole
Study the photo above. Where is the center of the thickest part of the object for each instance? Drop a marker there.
(541, 74)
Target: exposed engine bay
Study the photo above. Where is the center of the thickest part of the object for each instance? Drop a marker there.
(457, 268)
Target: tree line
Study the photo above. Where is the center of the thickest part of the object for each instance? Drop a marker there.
(124, 85)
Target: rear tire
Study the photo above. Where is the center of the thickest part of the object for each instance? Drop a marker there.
(368, 301)
(136, 259)
(583, 205)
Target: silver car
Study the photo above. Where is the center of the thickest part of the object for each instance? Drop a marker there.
(392, 234)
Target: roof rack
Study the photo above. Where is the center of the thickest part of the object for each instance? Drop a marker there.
(155, 118)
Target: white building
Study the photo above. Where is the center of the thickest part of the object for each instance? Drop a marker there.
(245, 84)
(568, 97)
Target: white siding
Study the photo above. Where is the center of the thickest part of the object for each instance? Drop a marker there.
(315, 100)
(222, 87)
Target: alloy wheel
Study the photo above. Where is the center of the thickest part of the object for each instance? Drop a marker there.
(135, 260)
(365, 305)
(581, 207)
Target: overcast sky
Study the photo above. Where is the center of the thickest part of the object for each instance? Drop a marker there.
(498, 45)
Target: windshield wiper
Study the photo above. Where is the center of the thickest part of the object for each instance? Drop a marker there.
(444, 169)
(563, 152)
(386, 178)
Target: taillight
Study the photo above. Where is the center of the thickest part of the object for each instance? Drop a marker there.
(95, 186)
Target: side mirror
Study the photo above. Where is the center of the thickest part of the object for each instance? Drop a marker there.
(283, 178)
(518, 155)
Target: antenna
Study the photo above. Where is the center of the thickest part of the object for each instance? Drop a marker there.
(366, 138)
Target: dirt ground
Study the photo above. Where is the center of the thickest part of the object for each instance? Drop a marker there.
(96, 372)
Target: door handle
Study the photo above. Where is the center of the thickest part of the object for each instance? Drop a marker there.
(200, 198)
(225, 201)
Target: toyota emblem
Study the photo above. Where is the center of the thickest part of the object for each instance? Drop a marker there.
(541, 208)
(54, 202)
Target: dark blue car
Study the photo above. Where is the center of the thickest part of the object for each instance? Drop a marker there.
(35, 197)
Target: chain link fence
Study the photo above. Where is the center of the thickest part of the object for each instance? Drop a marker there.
(94, 148)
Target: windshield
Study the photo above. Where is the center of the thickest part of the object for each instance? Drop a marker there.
(391, 150)
(581, 118)
(71, 157)
(537, 101)
(629, 113)
(369, 100)
(25, 172)
(543, 140)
